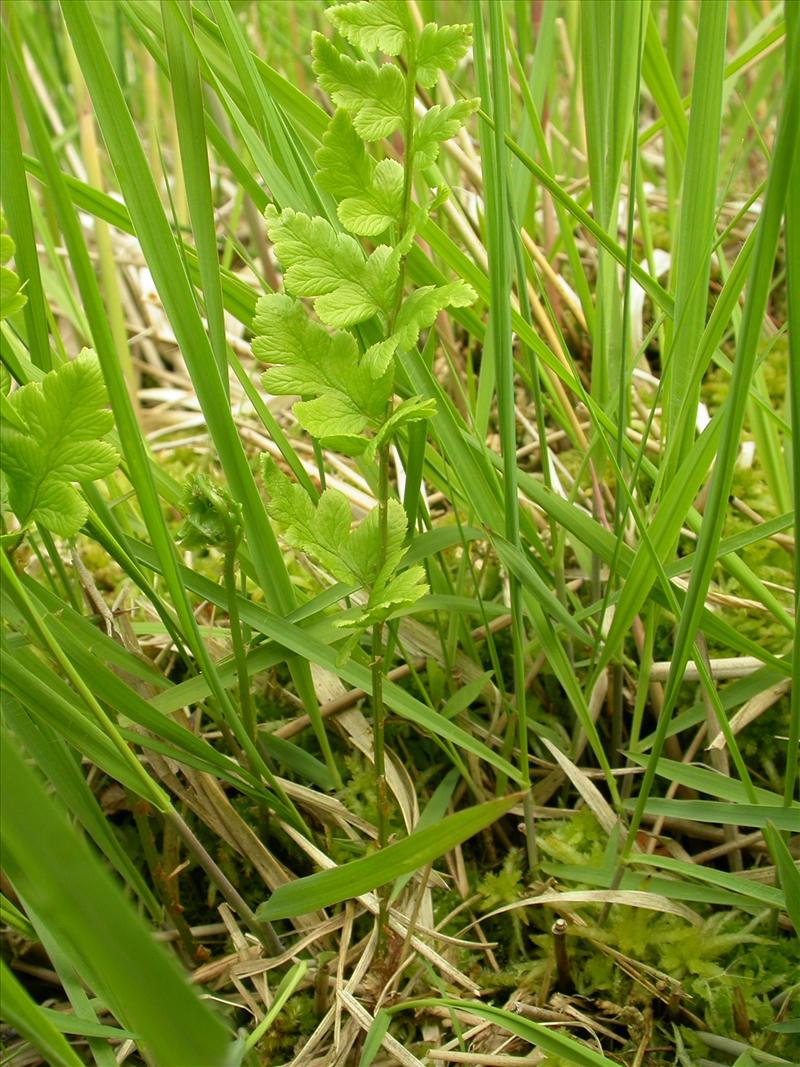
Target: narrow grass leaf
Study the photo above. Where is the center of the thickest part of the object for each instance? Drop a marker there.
(190, 122)
(697, 227)
(542, 1037)
(786, 147)
(28, 1019)
(788, 874)
(727, 814)
(760, 894)
(162, 256)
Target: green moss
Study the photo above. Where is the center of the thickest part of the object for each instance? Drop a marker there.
(295, 1022)
(578, 840)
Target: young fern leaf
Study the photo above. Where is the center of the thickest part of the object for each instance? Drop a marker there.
(345, 167)
(308, 361)
(212, 516)
(417, 313)
(439, 124)
(353, 556)
(372, 192)
(348, 287)
(374, 96)
(440, 48)
(415, 409)
(374, 25)
(379, 206)
(54, 437)
(346, 393)
(12, 299)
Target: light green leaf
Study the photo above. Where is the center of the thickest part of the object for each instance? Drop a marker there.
(331, 418)
(10, 915)
(315, 258)
(324, 530)
(389, 591)
(736, 883)
(345, 168)
(542, 1037)
(374, 96)
(344, 399)
(364, 547)
(418, 312)
(373, 25)
(65, 419)
(373, 293)
(401, 591)
(374, 1038)
(365, 874)
(412, 410)
(213, 517)
(439, 123)
(319, 530)
(379, 205)
(348, 287)
(378, 356)
(727, 814)
(440, 48)
(69, 1023)
(28, 1019)
(422, 306)
(11, 298)
(353, 555)
(99, 931)
(789, 875)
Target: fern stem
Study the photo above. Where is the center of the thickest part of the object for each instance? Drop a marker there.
(498, 228)
(378, 708)
(408, 175)
(379, 712)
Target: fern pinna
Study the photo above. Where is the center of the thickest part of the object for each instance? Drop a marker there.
(341, 359)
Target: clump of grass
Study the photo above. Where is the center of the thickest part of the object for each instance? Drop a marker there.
(335, 686)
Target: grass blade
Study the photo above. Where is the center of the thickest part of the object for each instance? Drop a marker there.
(162, 256)
(363, 875)
(545, 1038)
(105, 940)
(786, 148)
(33, 1022)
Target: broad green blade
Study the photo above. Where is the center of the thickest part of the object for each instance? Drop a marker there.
(788, 874)
(97, 928)
(727, 814)
(697, 229)
(762, 894)
(363, 875)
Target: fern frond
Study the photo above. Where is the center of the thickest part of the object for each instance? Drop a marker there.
(348, 287)
(55, 437)
(374, 25)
